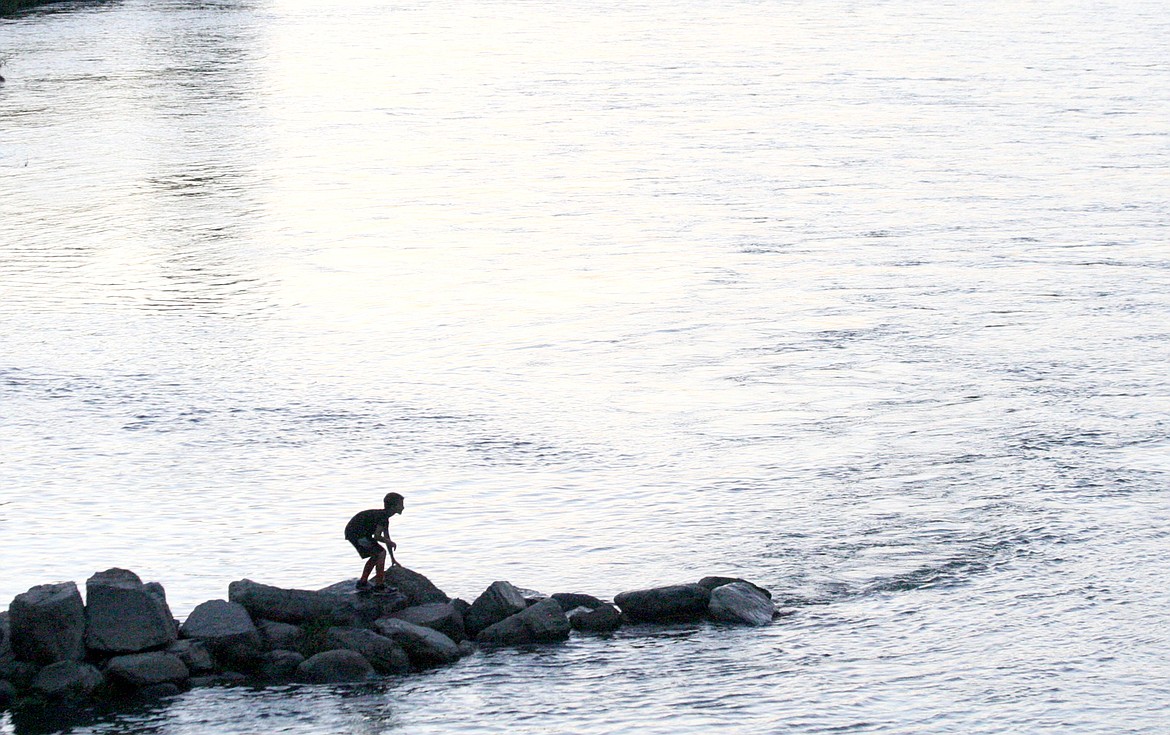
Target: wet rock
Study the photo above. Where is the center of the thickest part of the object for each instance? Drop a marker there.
(67, 680)
(740, 602)
(680, 602)
(7, 694)
(227, 679)
(194, 654)
(385, 655)
(712, 582)
(5, 636)
(277, 636)
(603, 619)
(227, 630)
(280, 665)
(334, 667)
(424, 646)
(158, 691)
(19, 673)
(544, 622)
(499, 601)
(417, 588)
(573, 600)
(531, 597)
(47, 624)
(146, 669)
(297, 607)
(441, 616)
(123, 616)
(466, 648)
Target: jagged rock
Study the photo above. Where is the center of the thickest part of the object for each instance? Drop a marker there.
(7, 694)
(531, 597)
(418, 589)
(441, 616)
(294, 606)
(678, 602)
(573, 600)
(385, 655)
(123, 616)
(712, 582)
(277, 636)
(157, 590)
(146, 669)
(740, 602)
(499, 601)
(334, 667)
(194, 655)
(424, 646)
(70, 680)
(544, 622)
(280, 665)
(48, 624)
(227, 630)
(601, 619)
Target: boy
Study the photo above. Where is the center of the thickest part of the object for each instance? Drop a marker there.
(364, 531)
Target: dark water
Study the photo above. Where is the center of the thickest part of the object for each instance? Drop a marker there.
(864, 301)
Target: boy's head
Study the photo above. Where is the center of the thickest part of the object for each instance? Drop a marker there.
(393, 502)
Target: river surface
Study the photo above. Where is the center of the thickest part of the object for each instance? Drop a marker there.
(868, 302)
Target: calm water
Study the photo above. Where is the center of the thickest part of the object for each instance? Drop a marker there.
(865, 301)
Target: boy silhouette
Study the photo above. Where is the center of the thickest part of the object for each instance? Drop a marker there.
(365, 530)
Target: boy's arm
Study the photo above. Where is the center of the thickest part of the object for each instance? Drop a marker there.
(383, 535)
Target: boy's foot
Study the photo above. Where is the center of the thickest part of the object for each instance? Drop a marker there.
(361, 586)
(381, 589)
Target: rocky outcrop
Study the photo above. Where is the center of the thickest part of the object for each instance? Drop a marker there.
(297, 607)
(48, 624)
(334, 667)
(544, 622)
(385, 655)
(425, 647)
(227, 630)
(67, 680)
(602, 619)
(740, 602)
(441, 616)
(680, 602)
(124, 616)
(499, 601)
(147, 669)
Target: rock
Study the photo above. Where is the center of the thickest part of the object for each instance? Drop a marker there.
(158, 691)
(157, 590)
(280, 665)
(424, 646)
(194, 655)
(5, 636)
(227, 630)
(544, 622)
(678, 602)
(7, 694)
(712, 582)
(122, 616)
(278, 636)
(602, 619)
(740, 602)
(466, 648)
(334, 667)
(69, 680)
(418, 589)
(573, 600)
(18, 673)
(441, 616)
(297, 607)
(146, 669)
(499, 601)
(48, 624)
(386, 656)
(531, 597)
(462, 606)
(227, 679)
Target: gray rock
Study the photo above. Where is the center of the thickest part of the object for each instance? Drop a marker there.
(280, 665)
(5, 636)
(69, 680)
(146, 669)
(573, 600)
(531, 597)
(277, 636)
(499, 601)
(19, 673)
(194, 655)
(418, 589)
(740, 602)
(386, 656)
(226, 679)
(122, 616)
(227, 630)
(7, 694)
(424, 646)
(441, 616)
(158, 691)
(297, 607)
(680, 602)
(334, 667)
(466, 648)
(544, 622)
(603, 619)
(462, 606)
(48, 624)
(712, 582)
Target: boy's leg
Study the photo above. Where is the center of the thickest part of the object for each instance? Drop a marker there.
(380, 564)
(370, 563)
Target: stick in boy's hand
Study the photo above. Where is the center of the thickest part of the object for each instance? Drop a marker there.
(365, 530)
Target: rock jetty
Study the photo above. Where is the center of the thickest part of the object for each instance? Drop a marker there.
(123, 642)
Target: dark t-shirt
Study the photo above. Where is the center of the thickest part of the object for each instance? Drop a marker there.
(366, 523)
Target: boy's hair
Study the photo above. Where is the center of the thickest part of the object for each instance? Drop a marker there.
(392, 499)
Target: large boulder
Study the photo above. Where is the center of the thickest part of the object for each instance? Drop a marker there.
(499, 601)
(123, 616)
(441, 616)
(294, 606)
(712, 582)
(48, 624)
(227, 630)
(740, 602)
(280, 665)
(194, 654)
(603, 619)
(544, 622)
(147, 669)
(385, 655)
(334, 667)
(573, 600)
(680, 602)
(424, 646)
(69, 680)
(277, 636)
(418, 589)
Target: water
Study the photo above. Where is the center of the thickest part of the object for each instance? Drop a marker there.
(864, 301)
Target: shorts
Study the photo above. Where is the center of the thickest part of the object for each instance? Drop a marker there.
(366, 546)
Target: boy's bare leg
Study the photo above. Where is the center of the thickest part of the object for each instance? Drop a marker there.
(370, 563)
(380, 577)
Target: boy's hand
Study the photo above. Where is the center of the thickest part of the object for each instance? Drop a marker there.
(391, 545)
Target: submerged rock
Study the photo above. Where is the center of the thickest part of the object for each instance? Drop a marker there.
(712, 582)
(424, 646)
(123, 615)
(544, 622)
(499, 601)
(47, 624)
(680, 602)
(384, 654)
(67, 680)
(441, 616)
(740, 602)
(334, 667)
(146, 669)
(603, 619)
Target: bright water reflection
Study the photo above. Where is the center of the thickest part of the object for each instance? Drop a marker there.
(864, 301)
